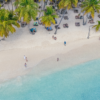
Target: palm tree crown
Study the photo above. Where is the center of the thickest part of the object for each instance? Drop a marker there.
(7, 22)
(97, 27)
(27, 9)
(49, 16)
(67, 3)
(16, 3)
(90, 6)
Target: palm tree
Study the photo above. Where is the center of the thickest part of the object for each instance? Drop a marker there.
(49, 16)
(27, 9)
(0, 6)
(97, 27)
(90, 6)
(7, 22)
(66, 4)
(16, 3)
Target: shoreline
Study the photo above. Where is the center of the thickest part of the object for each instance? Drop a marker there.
(73, 53)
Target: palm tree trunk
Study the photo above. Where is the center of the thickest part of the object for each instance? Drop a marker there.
(89, 32)
(83, 19)
(55, 3)
(12, 5)
(8, 7)
(86, 19)
(39, 14)
(61, 20)
(44, 5)
(4, 5)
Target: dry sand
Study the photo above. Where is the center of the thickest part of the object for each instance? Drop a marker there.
(12, 60)
(42, 51)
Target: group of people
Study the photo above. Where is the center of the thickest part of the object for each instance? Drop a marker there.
(55, 39)
(25, 58)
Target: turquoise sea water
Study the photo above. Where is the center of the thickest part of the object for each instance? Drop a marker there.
(81, 82)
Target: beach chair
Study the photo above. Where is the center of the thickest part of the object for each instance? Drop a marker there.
(53, 7)
(90, 17)
(79, 0)
(40, 23)
(33, 30)
(39, 7)
(65, 25)
(66, 17)
(56, 9)
(23, 24)
(35, 24)
(91, 21)
(76, 11)
(45, 10)
(77, 17)
(99, 16)
(51, 3)
(19, 21)
(73, 6)
(49, 28)
(59, 16)
(80, 5)
(56, 26)
(37, 18)
(81, 17)
(77, 24)
(63, 11)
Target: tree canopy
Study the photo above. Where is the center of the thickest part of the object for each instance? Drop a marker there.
(90, 6)
(49, 16)
(67, 3)
(7, 22)
(27, 9)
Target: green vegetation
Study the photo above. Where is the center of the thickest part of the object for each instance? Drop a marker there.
(49, 16)
(6, 23)
(97, 27)
(27, 10)
(90, 6)
(68, 4)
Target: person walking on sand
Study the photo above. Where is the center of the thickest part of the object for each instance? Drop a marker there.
(24, 57)
(57, 59)
(25, 65)
(65, 43)
(99, 38)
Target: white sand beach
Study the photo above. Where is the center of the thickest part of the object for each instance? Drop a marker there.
(76, 52)
(42, 51)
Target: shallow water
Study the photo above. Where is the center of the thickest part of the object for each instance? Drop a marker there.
(81, 82)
